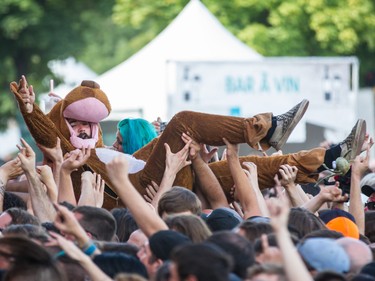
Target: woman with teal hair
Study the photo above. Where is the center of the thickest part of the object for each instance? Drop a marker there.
(132, 134)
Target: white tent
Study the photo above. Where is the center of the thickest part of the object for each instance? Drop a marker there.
(138, 85)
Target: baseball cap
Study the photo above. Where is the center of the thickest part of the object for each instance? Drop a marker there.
(368, 184)
(341, 221)
(324, 254)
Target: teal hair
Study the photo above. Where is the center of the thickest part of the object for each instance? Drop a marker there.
(135, 134)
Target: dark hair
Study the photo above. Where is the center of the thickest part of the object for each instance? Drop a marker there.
(190, 225)
(97, 221)
(254, 230)
(238, 247)
(267, 268)
(20, 216)
(329, 276)
(204, 261)
(126, 223)
(113, 263)
(120, 247)
(302, 222)
(272, 242)
(13, 200)
(30, 260)
(68, 205)
(178, 200)
(327, 233)
(163, 273)
(27, 230)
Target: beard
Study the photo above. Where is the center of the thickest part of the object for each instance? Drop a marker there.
(84, 136)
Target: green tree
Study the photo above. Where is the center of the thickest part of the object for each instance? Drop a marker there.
(272, 27)
(34, 32)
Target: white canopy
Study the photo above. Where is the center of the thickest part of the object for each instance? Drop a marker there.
(139, 83)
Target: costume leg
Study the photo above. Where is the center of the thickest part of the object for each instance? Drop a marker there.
(307, 162)
(205, 128)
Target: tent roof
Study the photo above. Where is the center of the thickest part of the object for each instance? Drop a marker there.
(194, 35)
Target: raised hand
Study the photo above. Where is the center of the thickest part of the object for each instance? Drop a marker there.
(232, 149)
(26, 157)
(10, 170)
(200, 148)
(332, 193)
(117, 170)
(92, 190)
(360, 164)
(279, 212)
(288, 175)
(46, 177)
(27, 94)
(151, 190)
(67, 223)
(251, 172)
(177, 161)
(53, 154)
(75, 159)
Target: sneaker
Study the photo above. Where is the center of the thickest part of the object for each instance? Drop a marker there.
(285, 124)
(352, 145)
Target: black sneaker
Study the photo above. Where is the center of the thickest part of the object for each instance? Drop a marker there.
(285, 124)
(352, 145)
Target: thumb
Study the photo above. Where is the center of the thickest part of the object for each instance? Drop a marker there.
(167, 148)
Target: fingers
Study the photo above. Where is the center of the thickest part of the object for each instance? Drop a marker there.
(167, 148)
(227, 143)
(185, 137)
(58, 143)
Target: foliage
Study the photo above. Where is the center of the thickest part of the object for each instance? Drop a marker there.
(273, 27)
(33, 32)
(102, 33)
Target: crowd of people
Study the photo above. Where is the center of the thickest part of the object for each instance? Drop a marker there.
(159, 204)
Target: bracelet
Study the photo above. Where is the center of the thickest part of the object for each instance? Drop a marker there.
(90, 250)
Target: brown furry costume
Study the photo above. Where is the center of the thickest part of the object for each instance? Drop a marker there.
(46, 128)
(204, 128)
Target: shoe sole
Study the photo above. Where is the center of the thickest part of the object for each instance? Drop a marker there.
(359, 138)
(299, 114)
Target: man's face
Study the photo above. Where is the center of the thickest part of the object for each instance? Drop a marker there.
(81, 128)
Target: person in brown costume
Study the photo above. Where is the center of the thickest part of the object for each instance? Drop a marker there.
(262, 130)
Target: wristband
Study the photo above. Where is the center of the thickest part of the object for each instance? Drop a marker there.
(90, 250)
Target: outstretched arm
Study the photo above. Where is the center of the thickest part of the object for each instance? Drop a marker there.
(329, 193)
(147, 219)
(54, 158)
(40, 125)
(72, 161)
(208, 183)
(41, 204)
(356, 208)
(293, 264)
(294, 191)
(245, 189)
(174, 162)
